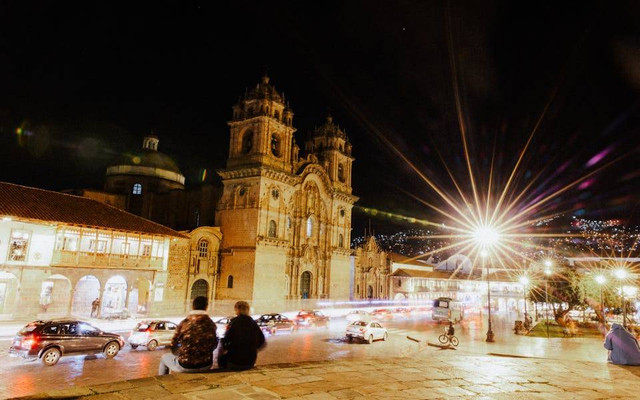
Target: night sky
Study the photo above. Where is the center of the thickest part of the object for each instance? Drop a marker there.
(86, 82)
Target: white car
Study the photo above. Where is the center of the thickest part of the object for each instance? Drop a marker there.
(222, 325)
(368, 331)
(358, 315)
(152, 334)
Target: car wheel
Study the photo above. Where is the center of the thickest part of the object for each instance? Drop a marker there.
(111, 350)
(51, 357)
(385, 336)
(152, 345)
(350, 339)
(134, 346)
(370, 339)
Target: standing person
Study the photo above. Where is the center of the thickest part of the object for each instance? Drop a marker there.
(193, 343)
(242, 341)
(94, 307)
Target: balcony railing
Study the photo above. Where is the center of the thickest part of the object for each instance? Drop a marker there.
(81, 258)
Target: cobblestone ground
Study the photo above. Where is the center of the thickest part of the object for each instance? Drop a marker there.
(429, 374)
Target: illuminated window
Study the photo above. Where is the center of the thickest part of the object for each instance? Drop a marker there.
(273, 228)
(98, 246)
(203, 248)
(18, 245)
(137, 189)
(309, 226)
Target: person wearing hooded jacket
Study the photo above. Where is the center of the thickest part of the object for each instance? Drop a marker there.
(622, 345)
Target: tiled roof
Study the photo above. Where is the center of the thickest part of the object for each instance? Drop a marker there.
(29, 203)
(400, 259)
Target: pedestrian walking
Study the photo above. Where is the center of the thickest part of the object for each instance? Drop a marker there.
(193, 343)
(95, 305)
(242, 341)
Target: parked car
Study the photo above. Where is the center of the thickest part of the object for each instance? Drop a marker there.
(311, 318)
(358, 315)
(52, 339)
(152, 334)
(274, 323)
(222, 326)
(368, 331)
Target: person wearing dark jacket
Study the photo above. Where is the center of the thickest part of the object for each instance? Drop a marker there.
(193, 343)
(242, 341)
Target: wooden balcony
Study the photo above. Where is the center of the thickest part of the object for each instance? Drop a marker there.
(104, 260)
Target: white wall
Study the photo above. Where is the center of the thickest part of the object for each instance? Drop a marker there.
(41, 242)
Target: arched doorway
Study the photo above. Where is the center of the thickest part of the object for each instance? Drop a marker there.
(55, 293)
(305, 285)
(200, 288)
(87, 290)
(8, 292)
(115, 295)
(139, 296)
(370, 292)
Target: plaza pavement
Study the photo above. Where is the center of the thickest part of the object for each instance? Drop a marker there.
(430, 373)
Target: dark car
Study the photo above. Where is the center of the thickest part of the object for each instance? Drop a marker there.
(311, 318)
(50, 340)
(273, 323)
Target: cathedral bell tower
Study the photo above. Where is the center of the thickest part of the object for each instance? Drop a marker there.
(331, 145)
(262, 130)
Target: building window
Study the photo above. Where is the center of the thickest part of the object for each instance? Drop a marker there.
(146, 250)
(341, 173)
(137, 189)
(288, 222)
(203, 248)
(275, 194)
(399, 282)
(247, 141)
(98, 246)
(309, 226)
(272, 229)
(275, 145)
(358, 289)
(18, 245)
(230, 282)
(124, 248)
(340, 240)
(342, 212)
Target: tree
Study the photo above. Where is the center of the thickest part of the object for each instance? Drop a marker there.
(566, 292)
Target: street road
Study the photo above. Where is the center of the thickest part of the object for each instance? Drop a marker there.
(21, 378)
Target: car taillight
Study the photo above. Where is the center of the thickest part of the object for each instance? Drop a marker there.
(30, 342)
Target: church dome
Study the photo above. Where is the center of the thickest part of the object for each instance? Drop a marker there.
(329, 129)
(147, 161)
(264, 90)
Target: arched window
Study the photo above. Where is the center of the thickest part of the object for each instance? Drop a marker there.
(276, 115)
(341, 172)
(230, 282)
(273, 229)
(309, 226)
(137, 188)
(203, 248)
(340, 240)
(288, 222)
(247, 141)
(399, 282)
(358, 289)
(275, 145)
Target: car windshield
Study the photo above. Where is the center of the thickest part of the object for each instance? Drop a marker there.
(143, 326)
(266, 317)
(303, 314)
(359, 323)
(29, 328)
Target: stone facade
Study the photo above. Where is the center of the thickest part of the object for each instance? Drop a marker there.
(285, 218)
(372, 268)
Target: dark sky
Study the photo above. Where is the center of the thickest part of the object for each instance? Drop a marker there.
(88, 80)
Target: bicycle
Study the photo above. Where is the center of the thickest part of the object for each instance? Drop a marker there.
(448, 339)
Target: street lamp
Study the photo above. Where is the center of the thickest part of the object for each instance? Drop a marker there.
(490, 335)
(525, 281)
(621, 274)
(547, 272)
(601, 280)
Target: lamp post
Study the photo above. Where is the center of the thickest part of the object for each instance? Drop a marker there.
(601, 280)
(547, 272)
(490, 336)
(525, 281)
(621, 274)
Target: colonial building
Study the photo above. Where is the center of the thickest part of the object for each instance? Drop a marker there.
(58, 253)
(371, 272)
(285, 215)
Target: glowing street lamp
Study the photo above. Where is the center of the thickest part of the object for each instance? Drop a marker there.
(621, 274)
(601, 280)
